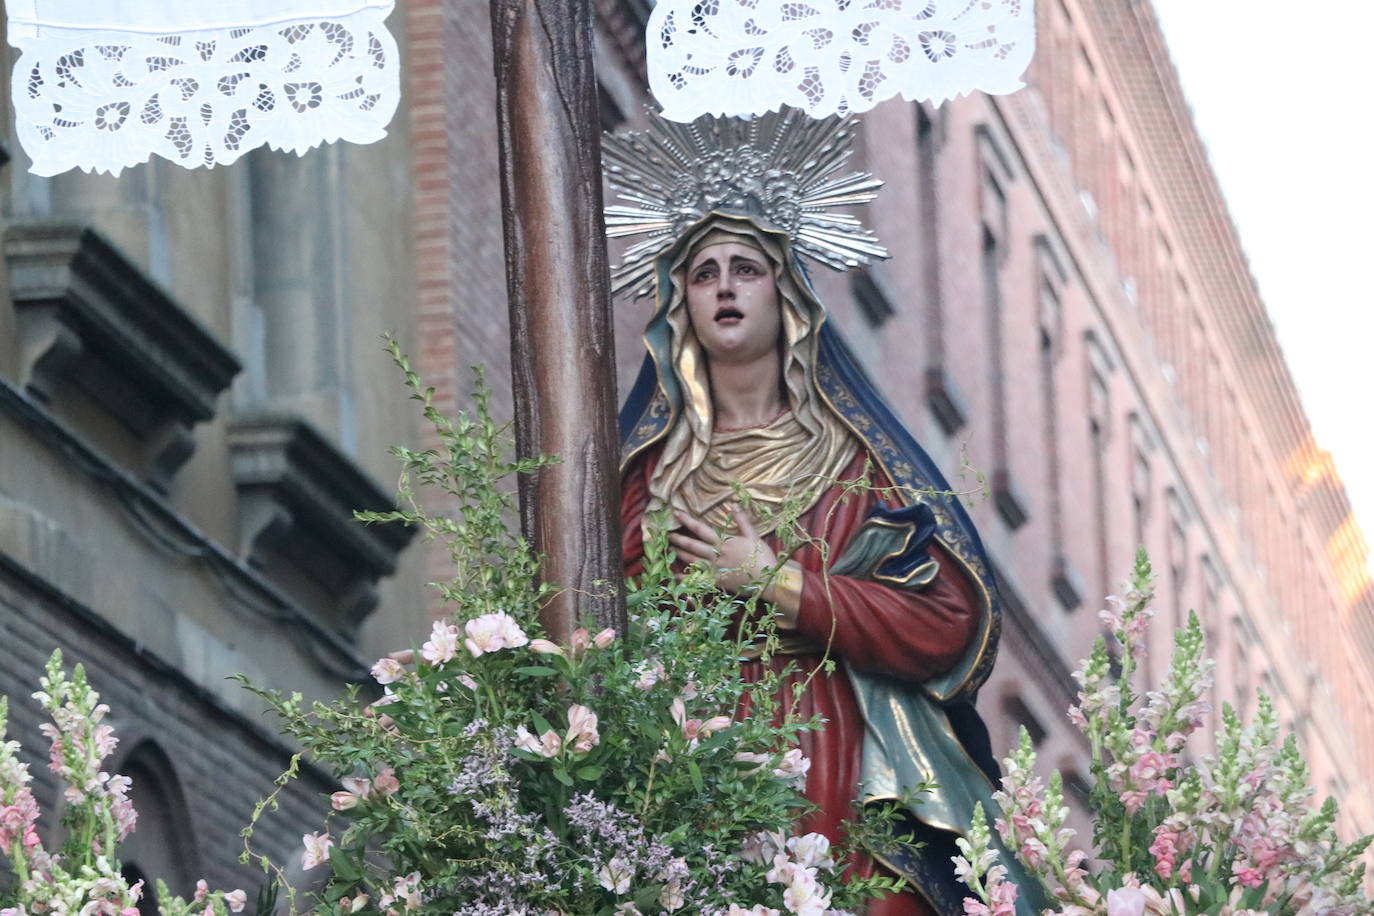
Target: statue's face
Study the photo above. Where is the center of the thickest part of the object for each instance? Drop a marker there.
(732, 299)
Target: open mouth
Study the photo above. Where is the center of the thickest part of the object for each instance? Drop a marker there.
(729, 313)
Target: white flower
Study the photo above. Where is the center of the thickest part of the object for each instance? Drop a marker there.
(671, 897)
(760, 848)
(387, 670)
(793, 768)
(236, 899)
(811, 851)
(615, 875)
(804, 895)
(492, 632)
(758, 761)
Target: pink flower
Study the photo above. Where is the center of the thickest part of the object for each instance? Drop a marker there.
(1249, 876)
(388, 670)
(695, 729)
(1112, 613)
(343, 801)
(1148, 772)
(467, 682)
(1003, 897)
(1125, 901)
(546, 745)
(1133, 800)
(202, 891)
(317, 846)
(649, 675)
(545, 647)
(493, 632)
(1165, 851)
(442, 644)
(386, 783)
(408, 890)
(793, 768)
(582, 733)
(604, 638)
(236, 899)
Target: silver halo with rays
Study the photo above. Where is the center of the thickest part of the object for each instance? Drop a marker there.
(780, 167)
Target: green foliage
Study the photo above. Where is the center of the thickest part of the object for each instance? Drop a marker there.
(501, 773)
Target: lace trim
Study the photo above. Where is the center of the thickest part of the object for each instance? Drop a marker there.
(738, 57)
(104, 100)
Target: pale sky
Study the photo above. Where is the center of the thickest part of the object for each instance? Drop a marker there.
(1279, 94)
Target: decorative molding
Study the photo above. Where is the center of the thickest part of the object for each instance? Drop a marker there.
(88, 316)
(245, 588)
(945, 400)
(297, 496)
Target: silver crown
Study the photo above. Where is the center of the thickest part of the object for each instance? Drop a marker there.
(779, 166)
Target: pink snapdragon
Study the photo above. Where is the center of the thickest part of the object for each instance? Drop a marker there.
(236, 900)
(492, 633)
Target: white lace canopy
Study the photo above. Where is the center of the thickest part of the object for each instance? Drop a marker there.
(740, 57)
(104, 84)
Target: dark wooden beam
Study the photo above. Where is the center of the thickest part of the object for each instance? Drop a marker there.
(562, 346)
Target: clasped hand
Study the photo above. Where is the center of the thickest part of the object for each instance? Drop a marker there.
(739, 560)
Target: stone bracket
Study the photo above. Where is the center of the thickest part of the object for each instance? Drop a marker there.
(89, 317)
(297, 496)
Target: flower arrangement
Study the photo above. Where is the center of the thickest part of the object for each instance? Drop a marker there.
(1175, 832)
(499, 773)
(82, 877)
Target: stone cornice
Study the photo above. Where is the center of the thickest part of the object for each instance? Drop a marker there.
(119, 315)
(158, 521)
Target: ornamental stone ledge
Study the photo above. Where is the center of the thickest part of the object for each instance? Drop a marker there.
(297, 496)
(89, 317)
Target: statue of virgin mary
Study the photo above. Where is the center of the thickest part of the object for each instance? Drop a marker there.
(746, 384)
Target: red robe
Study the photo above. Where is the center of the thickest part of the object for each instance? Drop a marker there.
(910, 635)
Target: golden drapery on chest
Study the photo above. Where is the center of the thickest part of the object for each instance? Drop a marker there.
(774, 463)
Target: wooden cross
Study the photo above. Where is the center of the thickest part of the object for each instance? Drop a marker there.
(562, 345)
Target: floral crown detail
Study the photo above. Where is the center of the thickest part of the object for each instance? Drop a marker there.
(779, 168)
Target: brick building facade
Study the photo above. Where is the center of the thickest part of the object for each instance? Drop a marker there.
(1068, 313)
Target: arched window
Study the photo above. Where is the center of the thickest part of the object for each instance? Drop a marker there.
(163, 843)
